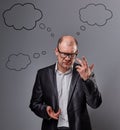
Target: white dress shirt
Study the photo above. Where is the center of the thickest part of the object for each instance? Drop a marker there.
(63, 86)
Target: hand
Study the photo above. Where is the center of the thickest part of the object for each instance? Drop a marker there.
(83, 69)
(52, 114)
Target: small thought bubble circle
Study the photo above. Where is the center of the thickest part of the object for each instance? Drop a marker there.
(49, 29)
(36, 55)
(42, 26)
(52, 34)
(43, 52)
(78, 33)
(83, 28)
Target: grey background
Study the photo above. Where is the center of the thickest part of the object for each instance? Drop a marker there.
(29, 31)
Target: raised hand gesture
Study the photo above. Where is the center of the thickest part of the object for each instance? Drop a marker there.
(83, 69)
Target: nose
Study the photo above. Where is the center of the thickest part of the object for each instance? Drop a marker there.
(67, 57)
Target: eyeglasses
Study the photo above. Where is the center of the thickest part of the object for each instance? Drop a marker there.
(70, 55)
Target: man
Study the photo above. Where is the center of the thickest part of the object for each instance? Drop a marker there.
(62, 91)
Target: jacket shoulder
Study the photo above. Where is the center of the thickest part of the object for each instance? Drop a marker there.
(47, 68)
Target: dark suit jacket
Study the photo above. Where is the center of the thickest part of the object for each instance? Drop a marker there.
(81, 93)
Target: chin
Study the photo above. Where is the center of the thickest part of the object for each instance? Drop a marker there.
(67, 67)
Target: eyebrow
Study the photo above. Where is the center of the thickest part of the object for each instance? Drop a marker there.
(67, 52)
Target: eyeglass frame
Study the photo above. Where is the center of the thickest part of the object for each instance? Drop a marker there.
(70, 55)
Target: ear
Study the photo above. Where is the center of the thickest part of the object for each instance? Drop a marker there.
(56, 52)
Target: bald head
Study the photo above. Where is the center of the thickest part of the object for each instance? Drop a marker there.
(68, 40)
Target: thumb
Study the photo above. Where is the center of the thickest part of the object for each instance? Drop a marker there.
(49, 109)
(91, 67)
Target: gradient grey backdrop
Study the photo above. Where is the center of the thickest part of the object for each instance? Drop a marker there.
(28, 37)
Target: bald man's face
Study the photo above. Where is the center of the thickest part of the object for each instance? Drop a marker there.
(66, 53)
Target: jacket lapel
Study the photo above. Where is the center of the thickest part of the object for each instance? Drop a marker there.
(52, 75)
(75, 76)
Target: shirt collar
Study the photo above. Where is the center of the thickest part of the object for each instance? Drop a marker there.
(67, 72)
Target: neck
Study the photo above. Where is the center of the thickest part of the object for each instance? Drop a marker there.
(61, 69)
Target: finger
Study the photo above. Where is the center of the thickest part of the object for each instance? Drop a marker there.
(50, 111)
(79, 61)
(57, 113)
(84, 60)
(78, 68)
(54, 117)
(52, 114)
(91, 67)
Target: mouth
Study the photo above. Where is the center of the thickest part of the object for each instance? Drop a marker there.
(67, 63)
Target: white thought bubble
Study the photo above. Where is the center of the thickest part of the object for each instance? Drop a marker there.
(18, 62)
(95, 14)
(22, 16)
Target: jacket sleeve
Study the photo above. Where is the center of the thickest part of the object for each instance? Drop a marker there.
(37, 104)
(93, 96)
